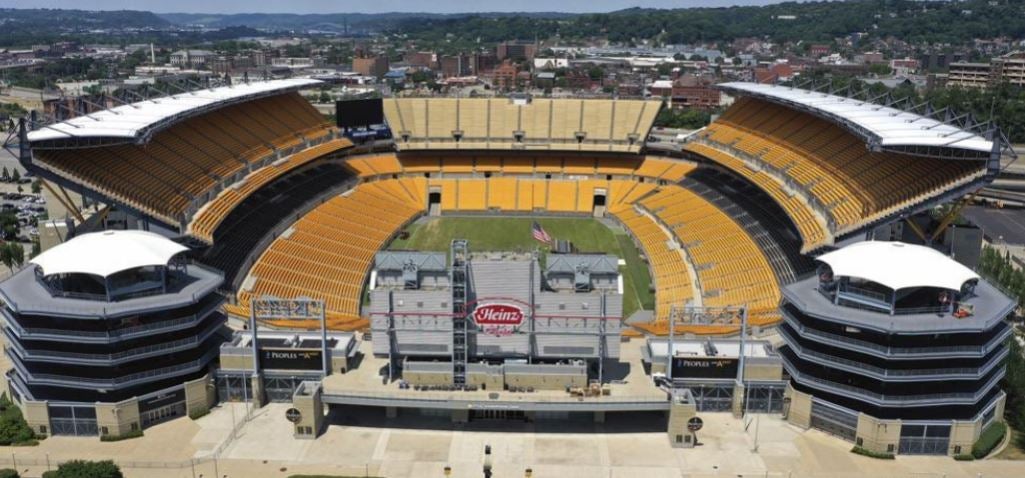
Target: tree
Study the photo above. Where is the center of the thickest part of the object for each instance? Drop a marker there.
(880, 69)
(6, 257)
(15, 175)
(17, 253)
(6, 175)
(86, 469)
(689, 118)
(9, 225)
(13, 428)
(37, 186)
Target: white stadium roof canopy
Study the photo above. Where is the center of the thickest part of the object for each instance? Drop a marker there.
(892, 127)
(898, 265)
(108, 252)
(133, 120)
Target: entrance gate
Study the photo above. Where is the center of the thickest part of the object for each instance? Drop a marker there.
(834, 420)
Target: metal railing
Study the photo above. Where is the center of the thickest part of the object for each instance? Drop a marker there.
(113, 335)
(109, 309)
(885, 373)
(411, 396)
(888, 351)
(123, 356)
(257, 250)
(758, 164)
(874, 301)
(272, 156)
(126, 380)
(890, 400)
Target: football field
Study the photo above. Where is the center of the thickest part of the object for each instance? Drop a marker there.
(588, 235)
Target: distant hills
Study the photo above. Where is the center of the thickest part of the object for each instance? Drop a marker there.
(45, 19)
(333, 22)
(933, 22)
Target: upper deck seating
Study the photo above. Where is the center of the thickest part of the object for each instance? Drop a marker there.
(505, 124)
(210, 216)
(182, 163)
(855, 184)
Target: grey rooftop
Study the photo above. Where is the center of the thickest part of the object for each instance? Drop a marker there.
(24, 294)
(991, 306)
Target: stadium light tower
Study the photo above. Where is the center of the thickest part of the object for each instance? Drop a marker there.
(272, 308)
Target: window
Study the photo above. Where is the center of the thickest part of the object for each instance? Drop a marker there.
(889, 448)
(679, 438)
(104, 431)
(135, 426)
(858, 442)
(42, 429)
(957, 449)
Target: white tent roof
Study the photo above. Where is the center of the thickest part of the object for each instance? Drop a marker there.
(898, 265)
(128, 121)
(108, 252)
(892, 126)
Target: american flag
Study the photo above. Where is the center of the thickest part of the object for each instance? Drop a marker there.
(540, 234)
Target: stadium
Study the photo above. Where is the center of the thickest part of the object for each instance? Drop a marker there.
(505, 258)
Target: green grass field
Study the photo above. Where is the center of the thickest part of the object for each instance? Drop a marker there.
(513, 234)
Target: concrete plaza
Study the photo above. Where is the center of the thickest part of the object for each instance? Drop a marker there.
(362, 441)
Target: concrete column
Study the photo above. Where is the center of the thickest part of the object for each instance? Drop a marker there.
(460, 416)
(681, 411)
(199, 395)
(875, 435)
(799, 410)
(257, 391)
(118, 418)
(37, 415)
(738, 400)
(307, 400)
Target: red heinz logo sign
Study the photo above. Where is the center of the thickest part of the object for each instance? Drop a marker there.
(498, 314)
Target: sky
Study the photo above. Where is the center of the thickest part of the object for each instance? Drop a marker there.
(365, 6)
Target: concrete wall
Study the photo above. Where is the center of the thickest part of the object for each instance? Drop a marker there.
(679, 414)
(339, 362)
(311, 409)
(547, 381)
(486, 380)
(428, 377)
(37, 415)
(200, 395)
(962, 436)
(236, 362)
(799, 412)
(118, 418)
(540, 377)
(762, 371)
(877, 435)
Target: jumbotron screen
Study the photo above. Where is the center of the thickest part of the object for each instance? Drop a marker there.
(359, 113)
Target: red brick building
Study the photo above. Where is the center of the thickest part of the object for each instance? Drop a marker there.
(774, 73)
(691, 91)
(504, 77)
